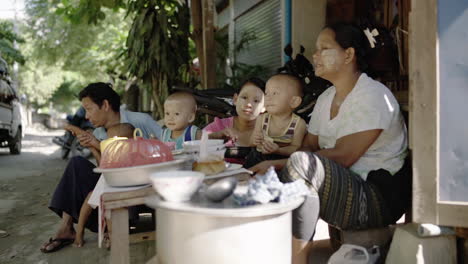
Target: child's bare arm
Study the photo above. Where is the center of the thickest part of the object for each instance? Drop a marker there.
(228, 133)
(97, 155)
(296, 143)
(257, 136)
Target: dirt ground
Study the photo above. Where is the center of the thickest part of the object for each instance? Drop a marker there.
(27, 182)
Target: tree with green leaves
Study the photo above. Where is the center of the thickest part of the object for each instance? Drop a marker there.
(8, 37)
(65, 95)
(158, 48)
(60, 51)
(60, 39)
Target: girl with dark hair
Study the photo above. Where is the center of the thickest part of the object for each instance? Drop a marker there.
(238, 129)
(355, 148)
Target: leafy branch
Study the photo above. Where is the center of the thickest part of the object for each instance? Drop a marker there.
(7, 39)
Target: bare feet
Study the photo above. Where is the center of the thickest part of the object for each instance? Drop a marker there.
(79, 238)
(106, 241)
(79, 241)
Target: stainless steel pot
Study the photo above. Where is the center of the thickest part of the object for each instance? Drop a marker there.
(200, 232)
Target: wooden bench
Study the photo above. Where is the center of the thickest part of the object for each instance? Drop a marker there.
(116, 205)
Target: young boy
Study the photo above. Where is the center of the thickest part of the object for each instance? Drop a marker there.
(278, 132)
(118, 130)
(179, 113)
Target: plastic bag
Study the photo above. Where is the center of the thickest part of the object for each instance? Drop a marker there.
(135, 151)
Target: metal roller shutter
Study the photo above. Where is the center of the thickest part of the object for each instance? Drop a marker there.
(265, 20)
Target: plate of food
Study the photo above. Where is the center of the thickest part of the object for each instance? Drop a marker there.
(177, 152)
(233, 166)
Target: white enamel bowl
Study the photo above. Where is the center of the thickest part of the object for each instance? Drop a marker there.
(139, 175)
(176, 186)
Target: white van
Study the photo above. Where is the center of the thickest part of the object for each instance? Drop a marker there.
(10, 113)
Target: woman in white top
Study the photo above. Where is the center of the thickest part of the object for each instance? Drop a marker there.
(356, 146)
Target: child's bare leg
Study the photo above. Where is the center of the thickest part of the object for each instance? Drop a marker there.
(107, 236)
(83, 218)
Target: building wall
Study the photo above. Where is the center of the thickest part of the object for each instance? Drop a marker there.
(308, 19)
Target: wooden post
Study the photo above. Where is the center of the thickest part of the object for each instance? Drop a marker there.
(424, 110)
(197, 36)
(120, 252)
(209, 47)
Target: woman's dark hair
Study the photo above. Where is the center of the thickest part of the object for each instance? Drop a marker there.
(350, 36)
(98, 92)
(255, 81)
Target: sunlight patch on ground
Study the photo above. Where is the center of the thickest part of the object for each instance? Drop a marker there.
(42, 150)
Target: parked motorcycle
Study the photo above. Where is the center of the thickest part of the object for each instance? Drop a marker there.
(69, 143)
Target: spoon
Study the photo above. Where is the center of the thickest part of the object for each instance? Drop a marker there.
(221, 189)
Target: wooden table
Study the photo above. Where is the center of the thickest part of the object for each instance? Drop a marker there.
(116, 205)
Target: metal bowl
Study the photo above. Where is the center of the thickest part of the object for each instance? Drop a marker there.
(139, 175)
(221, 189)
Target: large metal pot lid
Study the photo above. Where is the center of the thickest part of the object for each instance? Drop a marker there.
(199, 204)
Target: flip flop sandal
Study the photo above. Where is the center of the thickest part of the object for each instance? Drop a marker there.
(3, 233)
(59, 242)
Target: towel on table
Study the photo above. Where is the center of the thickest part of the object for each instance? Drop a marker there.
(266, 188)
